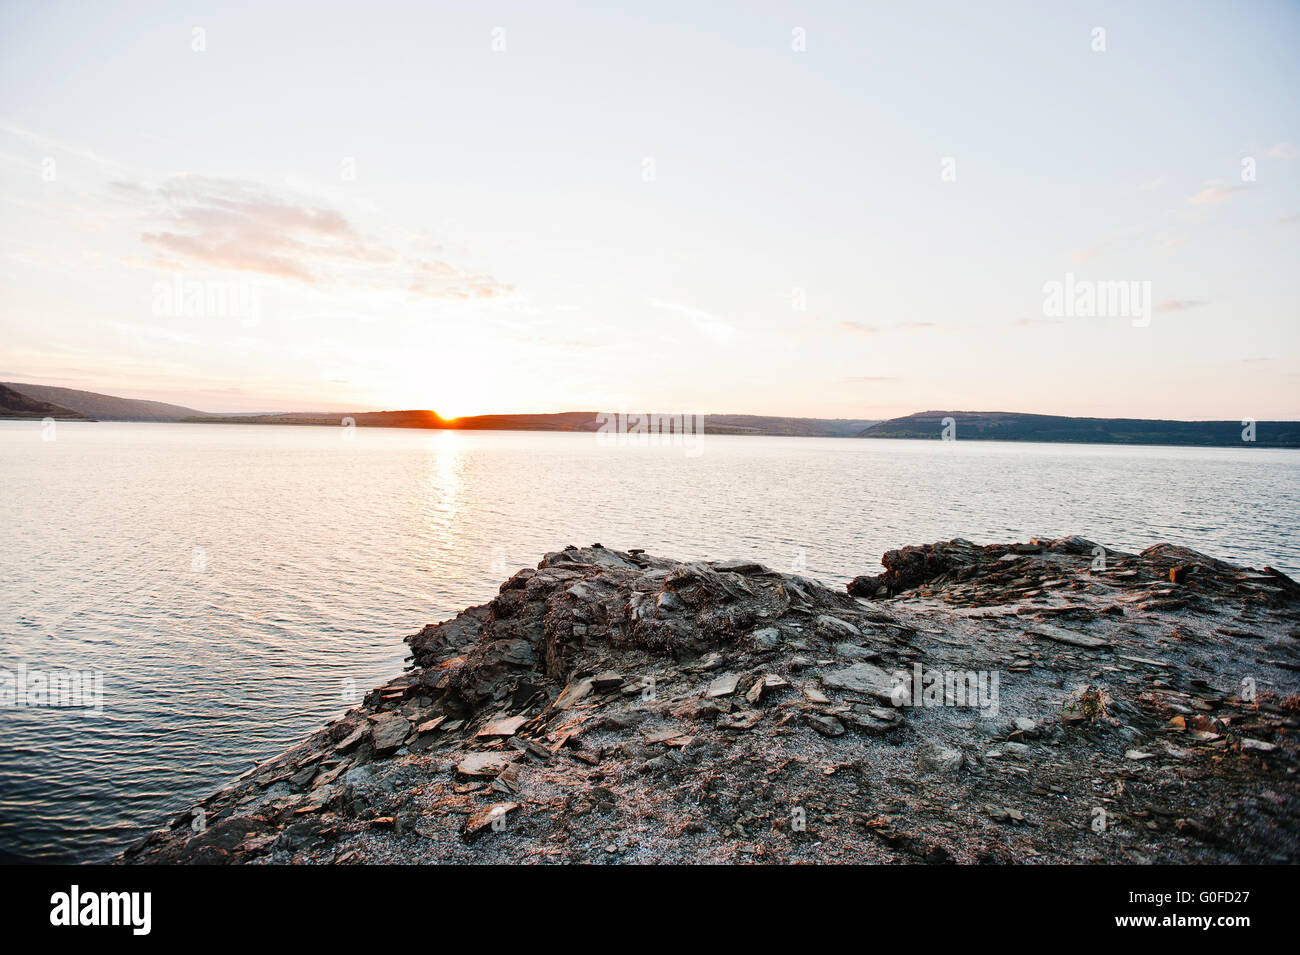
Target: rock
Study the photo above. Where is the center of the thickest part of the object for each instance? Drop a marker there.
(768, 681)
(389, 731)
(484, 818)
(671, 736)
(1258, 746)
(909, 567)
(725, 685)
(835, 627)
(351, 740)
(814, 695)
(826, 725)
(483, 764)
(507, 726)
(868, 587)
(1072, 639)
(429, 726)
(1008, 815)
(573, 693)
(862, 678)
(641, 702)
(938, 758)
(740, 720)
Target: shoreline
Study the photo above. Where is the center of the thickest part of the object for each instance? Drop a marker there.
(1254, 445)
(616, 707)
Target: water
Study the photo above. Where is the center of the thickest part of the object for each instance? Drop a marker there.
(236, 583)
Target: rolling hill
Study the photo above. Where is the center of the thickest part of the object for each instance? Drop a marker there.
(15, 404)
(104, 407)
(1015, 426)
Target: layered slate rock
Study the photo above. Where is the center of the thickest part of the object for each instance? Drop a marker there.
(611, 706)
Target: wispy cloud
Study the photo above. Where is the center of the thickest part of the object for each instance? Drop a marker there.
(1284, 151)
(242, 226)
(858, 327)
(1179, 304)
(715, 326)
(1213, 195)
(49, 145)
(441, 280)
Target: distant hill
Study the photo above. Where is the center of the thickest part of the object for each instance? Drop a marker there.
(41, 401)
(15, 404)
(563, 421)
(1014, 426)
(105, 407)
(794, 427)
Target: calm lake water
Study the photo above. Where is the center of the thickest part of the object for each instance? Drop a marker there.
(237, 584)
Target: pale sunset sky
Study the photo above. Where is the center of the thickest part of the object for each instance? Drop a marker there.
(822, 209)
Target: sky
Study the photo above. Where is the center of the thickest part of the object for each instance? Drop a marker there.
(850, 209)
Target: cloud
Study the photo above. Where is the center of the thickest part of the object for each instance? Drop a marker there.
(1284, 151)
(441, 280)
(858, 327)
(1034, 322)
(49, 145)
(869, 379)
(1179, 304)
(1213, 195)
(242, 226)
(715, 326)
(1154, 184)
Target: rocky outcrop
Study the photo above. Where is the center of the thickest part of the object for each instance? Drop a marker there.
(1045, 701)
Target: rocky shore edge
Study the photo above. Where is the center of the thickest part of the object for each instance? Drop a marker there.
(1049, 701)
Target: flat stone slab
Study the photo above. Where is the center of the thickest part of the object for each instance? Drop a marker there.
(1058, 635)
(390, 731)
(503, 727)
(483, 764)
(861, 678)
(724, 685)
